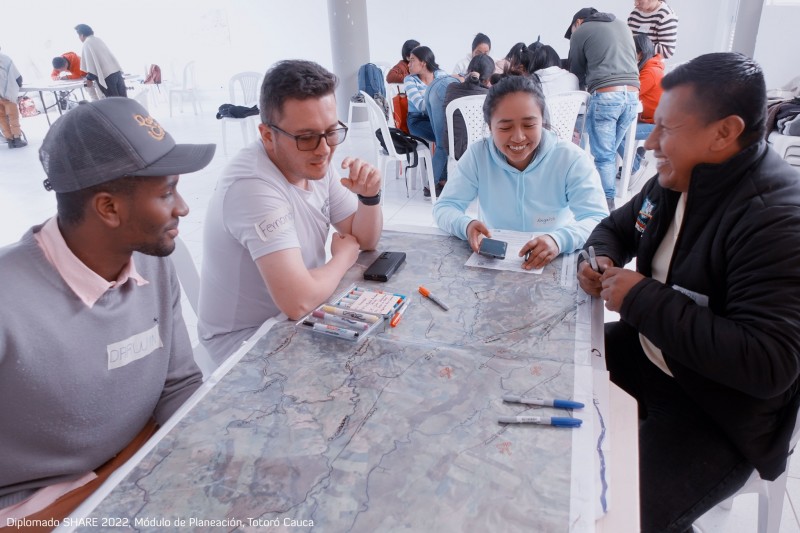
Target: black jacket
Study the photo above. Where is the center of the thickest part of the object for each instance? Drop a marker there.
(739, 357)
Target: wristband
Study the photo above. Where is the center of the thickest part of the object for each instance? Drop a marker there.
(370, 200)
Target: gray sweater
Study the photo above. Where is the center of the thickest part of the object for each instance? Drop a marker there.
(602, 53)
(77, 384)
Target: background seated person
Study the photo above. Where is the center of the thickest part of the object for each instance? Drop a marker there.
(651, 71)
(271, 213)
(546, 67)
(709, 337)
(477, 82)
(67, 66)
(93, 348)
(525, 179)
(399, 72)
(424, 70)
(481, 44)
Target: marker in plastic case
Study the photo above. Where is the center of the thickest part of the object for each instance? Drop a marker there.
(333, 320)
(334, 331)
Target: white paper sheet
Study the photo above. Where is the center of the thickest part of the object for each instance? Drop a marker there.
(516, 240)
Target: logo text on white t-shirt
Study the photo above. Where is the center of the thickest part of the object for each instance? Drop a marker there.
(135, 347)
(275, 223)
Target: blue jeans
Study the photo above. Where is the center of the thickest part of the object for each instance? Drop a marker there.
(687, 464)
(434, 103)
(643, 130)
(607, 120)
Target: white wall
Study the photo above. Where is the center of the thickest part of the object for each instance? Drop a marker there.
(776, 49)
(225, 37)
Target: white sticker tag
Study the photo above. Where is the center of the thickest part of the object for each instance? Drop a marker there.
(699, 299)
(135, 347)
(275, 223)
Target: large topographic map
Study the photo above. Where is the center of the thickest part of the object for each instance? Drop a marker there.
(398, 432)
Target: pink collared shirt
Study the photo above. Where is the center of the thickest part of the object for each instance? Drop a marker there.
(87, 284)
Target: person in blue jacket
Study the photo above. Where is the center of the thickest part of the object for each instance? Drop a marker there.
(525, 179)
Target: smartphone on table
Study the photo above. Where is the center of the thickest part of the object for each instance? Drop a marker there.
(493, 248)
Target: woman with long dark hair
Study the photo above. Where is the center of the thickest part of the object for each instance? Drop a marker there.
(423, 70)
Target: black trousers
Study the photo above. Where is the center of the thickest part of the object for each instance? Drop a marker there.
(115, 85)
(686, 464)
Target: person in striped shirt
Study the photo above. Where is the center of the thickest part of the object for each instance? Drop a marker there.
(657, 20)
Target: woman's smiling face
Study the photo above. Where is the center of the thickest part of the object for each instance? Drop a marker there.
(516, 127)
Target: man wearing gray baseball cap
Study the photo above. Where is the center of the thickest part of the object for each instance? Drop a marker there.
(94, 353)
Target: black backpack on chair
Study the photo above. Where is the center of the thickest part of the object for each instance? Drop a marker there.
(404, 143)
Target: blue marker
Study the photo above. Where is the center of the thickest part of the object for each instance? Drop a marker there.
(562, 404)
(558, 421)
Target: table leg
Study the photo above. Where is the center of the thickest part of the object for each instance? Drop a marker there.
(44, 106)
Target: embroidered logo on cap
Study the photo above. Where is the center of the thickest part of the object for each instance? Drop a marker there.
(154, 128)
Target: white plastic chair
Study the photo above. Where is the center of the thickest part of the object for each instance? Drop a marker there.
(471, 108)
(190, 282)
(770, 493)
(378, 122)
(243, 89)
(787, 146)
(627, 160)
(187, 90)
(563, 109)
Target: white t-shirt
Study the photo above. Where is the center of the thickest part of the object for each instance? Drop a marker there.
(255, 211)
(660, 270)
(461, 67)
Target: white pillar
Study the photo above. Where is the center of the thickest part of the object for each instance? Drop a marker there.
(748, 18)
(349, 47)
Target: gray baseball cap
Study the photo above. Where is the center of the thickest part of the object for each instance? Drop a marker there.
(104, 140)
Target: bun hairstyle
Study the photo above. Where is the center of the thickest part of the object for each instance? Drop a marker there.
(480, 69)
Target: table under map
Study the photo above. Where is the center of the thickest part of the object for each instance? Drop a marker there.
(398, 432)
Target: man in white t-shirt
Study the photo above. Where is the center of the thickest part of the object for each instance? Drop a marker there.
(270, 215)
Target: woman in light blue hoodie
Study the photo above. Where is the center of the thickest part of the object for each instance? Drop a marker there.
(525, 179)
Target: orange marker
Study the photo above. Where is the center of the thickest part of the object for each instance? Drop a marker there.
(399, 314)
(427, 294)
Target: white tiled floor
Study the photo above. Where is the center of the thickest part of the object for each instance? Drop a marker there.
(24, 202)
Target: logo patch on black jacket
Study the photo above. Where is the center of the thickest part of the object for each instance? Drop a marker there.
(645, 215)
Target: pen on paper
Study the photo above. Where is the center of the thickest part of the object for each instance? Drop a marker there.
(396, 318)
(561, 404)
(334, 331)
(558, 421)
(427, 294)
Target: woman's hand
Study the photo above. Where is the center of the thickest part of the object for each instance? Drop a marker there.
(539, 251)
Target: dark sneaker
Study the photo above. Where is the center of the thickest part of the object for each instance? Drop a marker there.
(10, 142)
(426, 193)
(17, 142)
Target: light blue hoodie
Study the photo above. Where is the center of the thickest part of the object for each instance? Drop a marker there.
(559, 192)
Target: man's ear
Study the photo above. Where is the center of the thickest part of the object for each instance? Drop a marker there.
(107, 209)
(728, 131)
(267, 134)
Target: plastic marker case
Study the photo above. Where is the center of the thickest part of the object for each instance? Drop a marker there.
(353, 313)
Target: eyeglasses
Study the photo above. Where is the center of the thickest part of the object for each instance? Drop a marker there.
(309, 141)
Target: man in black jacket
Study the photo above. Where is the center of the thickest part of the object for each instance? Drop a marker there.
(709, 341)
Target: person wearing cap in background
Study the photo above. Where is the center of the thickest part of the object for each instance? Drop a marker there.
(10, 82)
(481, 44)
(94, 352)
(603, 57)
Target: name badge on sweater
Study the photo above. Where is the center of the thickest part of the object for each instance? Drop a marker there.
(135, 347)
